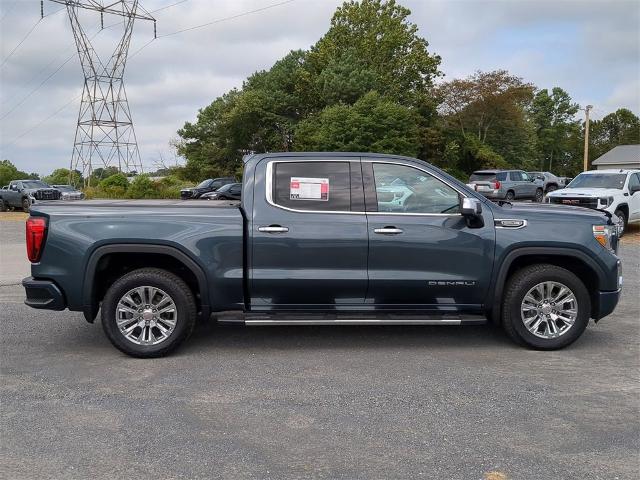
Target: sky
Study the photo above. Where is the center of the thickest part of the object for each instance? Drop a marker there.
(590, 48)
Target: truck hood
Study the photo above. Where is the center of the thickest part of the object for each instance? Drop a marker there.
(585, 192)
(532, 209)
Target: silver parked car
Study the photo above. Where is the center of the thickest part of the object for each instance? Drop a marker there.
(550, 181)
(69, 192)
(507, 185)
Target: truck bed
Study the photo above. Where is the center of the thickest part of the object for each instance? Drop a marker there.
(209, 233)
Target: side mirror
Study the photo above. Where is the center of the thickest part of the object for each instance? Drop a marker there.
(472, 211)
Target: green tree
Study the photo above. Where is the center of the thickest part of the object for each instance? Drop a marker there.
(114, 186)
(372, 124)
(370, 47)
(486, 115)
(554, 118)
(9, 172)
(621, 127)
(61, 176)
(389, 55)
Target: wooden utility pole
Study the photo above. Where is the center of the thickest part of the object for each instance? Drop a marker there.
(586, 137)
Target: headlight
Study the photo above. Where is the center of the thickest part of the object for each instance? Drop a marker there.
(605, 201)
(607, 236)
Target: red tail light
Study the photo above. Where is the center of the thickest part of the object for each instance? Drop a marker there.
(36, 231)
(496, 185)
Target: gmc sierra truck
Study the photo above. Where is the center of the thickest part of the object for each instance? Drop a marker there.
(325, 238)
(23, 193)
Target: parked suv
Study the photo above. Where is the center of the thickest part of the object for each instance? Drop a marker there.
(614, 191)
(209, 185)
(23, 193)
(549, 181)
(507, 185)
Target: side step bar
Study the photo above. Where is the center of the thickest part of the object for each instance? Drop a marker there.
(291, 318)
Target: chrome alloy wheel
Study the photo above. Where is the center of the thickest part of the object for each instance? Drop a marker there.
(146, 315)
(549, 310)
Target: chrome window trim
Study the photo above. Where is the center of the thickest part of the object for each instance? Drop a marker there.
(269, 184)
(269, 187)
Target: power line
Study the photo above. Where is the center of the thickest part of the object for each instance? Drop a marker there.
(168, 6)
(43, 121)
(226, 18)
(20, 42)
(213, 22)
(27, 36)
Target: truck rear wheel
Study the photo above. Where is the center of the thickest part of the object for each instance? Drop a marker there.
(545, 307)
(148, 312)
(3, 206)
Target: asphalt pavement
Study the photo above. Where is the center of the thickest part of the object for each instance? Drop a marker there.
(316, 402)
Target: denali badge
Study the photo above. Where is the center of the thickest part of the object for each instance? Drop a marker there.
(451, 283)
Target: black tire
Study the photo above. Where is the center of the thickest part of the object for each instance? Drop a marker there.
(551, 188)
(517, 287)
(174, 286)
(623, 222)
(510, 196)
(539, 196)
(3, 206)
(26, 205)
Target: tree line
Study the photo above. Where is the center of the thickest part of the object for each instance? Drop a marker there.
(371, 84)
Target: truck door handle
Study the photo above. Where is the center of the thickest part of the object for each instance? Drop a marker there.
(388, 231)
(273, 229)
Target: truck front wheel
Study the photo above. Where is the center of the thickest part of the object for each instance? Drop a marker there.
(26, 205)
(545, 307)
(148, 312)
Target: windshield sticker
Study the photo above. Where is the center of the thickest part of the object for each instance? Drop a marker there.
(303, 188)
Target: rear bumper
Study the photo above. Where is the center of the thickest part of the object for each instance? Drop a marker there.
(493, 194)
(607, 302)
(43, 294)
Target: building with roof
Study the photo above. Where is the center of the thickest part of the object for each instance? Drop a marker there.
(626, 157)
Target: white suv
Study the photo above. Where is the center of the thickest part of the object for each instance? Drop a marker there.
(616, 191)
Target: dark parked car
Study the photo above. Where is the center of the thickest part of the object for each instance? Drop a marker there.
(69, 192)
(507, 185)
(230, 191)
(330, 239)
(210, 185)
(23, 193)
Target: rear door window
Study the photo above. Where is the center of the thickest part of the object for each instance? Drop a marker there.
(482, 177)
(515, 176)
(312, 186)
(502, 176)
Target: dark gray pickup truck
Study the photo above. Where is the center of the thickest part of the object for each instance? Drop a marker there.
(325, 238)
(23, 193)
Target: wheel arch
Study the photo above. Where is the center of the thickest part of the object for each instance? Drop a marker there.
(109, 262)
(625, 209)
(575, 261)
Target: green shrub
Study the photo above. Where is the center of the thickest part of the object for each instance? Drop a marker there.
(117, 180)
(143, 187)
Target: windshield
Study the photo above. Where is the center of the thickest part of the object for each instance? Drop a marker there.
(204, 184)
(598, 180)
(34, 184)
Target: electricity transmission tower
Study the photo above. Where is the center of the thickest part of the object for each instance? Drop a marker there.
(104, 134)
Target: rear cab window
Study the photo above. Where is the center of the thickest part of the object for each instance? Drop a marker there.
(312, 185)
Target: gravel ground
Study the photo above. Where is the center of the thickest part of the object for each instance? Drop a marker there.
(318, 402)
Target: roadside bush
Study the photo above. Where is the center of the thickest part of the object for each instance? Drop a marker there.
(143, 187)
(117, 180)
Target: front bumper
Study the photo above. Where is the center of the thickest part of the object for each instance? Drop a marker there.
(43, 294)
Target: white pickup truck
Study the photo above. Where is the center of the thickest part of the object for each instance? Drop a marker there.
(615, 191)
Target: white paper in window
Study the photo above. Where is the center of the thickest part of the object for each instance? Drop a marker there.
(305, 188)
